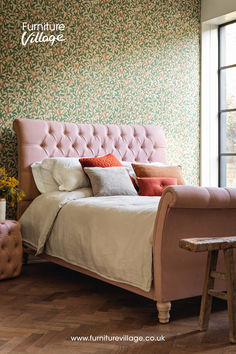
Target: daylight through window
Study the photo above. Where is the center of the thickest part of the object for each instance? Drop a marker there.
(227, 104)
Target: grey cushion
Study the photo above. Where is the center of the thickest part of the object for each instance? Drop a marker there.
(107, 181)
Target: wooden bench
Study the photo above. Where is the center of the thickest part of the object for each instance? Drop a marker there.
(213, 246)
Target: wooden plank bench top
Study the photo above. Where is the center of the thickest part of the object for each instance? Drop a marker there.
(213, 245)
(208, 243)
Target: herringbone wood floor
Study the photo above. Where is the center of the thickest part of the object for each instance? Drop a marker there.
(47, 304)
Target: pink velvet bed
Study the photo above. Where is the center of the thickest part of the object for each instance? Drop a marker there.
(184, 211)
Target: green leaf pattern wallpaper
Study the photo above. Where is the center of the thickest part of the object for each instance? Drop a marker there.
(123, 62)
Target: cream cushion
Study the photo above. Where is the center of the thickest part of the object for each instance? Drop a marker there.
(69, 174)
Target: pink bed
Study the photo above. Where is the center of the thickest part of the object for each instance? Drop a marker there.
(184, 211)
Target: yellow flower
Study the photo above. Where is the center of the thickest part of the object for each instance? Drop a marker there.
(9, 188)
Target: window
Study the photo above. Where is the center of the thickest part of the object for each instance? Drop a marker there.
(227, 105)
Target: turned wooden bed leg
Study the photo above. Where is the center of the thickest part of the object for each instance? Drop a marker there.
(163, 311)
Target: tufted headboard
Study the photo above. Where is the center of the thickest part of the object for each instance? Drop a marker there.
(39, 139)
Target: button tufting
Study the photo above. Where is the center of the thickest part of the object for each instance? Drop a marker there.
(11, 250)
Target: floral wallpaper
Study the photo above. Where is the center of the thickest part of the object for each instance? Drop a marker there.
(122, 62)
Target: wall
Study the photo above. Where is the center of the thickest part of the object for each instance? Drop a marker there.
(124, 62)
(212, 9)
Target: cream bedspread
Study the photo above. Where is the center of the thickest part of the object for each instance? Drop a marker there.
(111, 236)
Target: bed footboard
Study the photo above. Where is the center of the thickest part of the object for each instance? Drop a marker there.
(187, 212)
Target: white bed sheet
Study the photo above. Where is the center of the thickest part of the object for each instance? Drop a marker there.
(111, 236)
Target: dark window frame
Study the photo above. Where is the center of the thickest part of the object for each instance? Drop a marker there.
(221, 164)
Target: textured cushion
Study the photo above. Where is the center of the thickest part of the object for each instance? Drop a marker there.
(110, 181)
(104, 161)
(69, 174)
(10, 249)
(142, 170)
(154, 186)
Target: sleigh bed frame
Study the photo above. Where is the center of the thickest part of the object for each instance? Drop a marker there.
(184, 211)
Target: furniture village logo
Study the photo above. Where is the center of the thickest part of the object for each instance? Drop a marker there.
(35, 33)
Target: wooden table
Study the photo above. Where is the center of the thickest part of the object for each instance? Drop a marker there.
(213, 246)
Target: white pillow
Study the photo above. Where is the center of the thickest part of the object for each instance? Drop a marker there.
(59, 173)
(43, 177)
(69, 174)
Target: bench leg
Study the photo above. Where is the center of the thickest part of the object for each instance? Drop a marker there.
(231, 292)
(163, 311)
(208, 284)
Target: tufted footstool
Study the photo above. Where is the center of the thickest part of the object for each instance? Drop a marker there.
(10, 249)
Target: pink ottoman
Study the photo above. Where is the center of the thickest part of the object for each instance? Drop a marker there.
(10, 249)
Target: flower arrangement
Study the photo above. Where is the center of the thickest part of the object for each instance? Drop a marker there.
(9, 189)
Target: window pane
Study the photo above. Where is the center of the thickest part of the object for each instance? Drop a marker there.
(228, 171)
(228, 88)
(228, 132)
(228, 44)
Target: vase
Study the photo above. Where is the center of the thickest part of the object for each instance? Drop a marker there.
(2, 210)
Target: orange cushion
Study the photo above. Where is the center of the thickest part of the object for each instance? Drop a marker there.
(104, 161)
(151, 186)
(159, 171)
